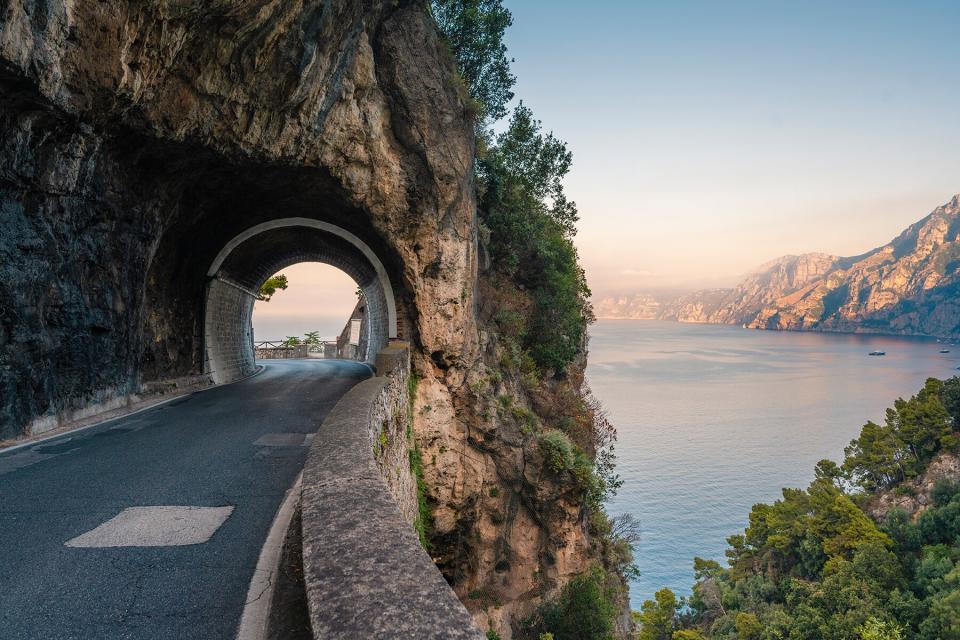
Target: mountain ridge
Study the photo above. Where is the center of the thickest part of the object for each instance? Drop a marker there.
(908, 286)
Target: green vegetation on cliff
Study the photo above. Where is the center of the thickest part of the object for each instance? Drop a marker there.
(531, 226)
(534, 301)
(815, 566)
(523, 207)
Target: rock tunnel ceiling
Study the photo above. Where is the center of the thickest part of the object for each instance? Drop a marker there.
(248, 260)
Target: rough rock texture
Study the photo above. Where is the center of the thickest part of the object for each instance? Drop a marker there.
(137, 138)
(914, 496)
(365, 573)
(910, 286)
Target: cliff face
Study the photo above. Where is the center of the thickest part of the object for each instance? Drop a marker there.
(908, 286)
(138, 138)
(913, 497)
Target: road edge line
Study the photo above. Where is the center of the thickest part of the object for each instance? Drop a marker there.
(71, 432)
(256, 611)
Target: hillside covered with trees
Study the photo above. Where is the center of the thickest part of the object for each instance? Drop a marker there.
(825, 563)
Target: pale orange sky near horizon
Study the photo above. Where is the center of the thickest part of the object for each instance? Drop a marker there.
(319, 298)
(684, 250)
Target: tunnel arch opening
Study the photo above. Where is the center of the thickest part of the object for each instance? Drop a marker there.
(252, 256)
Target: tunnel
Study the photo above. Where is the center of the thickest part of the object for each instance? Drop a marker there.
(253, 256)
(140, 214)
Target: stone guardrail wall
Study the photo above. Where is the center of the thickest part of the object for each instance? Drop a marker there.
(365, 572)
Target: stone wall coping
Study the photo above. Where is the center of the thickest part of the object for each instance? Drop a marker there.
(366, 574)
(395, 354)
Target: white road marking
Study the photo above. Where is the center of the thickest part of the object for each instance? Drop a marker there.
(155, 527)
(256, 611)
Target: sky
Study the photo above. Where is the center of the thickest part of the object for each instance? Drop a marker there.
(710, 137)
(318, 298)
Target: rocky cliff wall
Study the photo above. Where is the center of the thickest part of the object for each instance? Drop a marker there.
(915, 496)
(909, 286)
(137, 138)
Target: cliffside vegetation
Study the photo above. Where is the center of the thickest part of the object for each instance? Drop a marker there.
(535, 307)
(816, 565)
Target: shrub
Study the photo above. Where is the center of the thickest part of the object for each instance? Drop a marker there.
(585, 609)
(558, 451)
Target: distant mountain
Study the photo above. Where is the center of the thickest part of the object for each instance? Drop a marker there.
(909, 286)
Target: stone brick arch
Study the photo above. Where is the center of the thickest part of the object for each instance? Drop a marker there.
(254, 255)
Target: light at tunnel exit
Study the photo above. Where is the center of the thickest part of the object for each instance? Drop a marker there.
(318, 298)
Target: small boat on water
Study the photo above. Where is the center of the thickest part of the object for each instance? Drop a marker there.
(877, 353)
(944, 350)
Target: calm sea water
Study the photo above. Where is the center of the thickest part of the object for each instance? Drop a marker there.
(713, 419)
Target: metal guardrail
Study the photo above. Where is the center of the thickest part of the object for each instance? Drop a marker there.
(274, 349)
(280, 344)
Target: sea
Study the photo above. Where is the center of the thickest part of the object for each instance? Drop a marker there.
(712, 419)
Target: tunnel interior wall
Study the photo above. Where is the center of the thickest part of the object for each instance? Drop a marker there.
(228, 335)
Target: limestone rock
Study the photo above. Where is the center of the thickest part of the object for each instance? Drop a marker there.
(914, 496)
(909, 286)
(138, 137)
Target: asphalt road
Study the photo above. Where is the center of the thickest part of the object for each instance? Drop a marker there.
(238, 446)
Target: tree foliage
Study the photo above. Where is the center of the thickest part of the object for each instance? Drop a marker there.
(474, 30)
(913, 432)
(657, 617)
(814, 566)
(585, 609)
(272, 285)
(531, 224)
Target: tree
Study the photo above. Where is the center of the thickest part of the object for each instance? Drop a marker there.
(531, 225)
(921, 423)
(291, 341)
(585, 609)
(950, 396)
(829, 471)
(657, 616)
(272, 285)
(748, 626)
(529, 166)
(312, 339)
(474, 31)
(943, 622)
(873, 459)
(874, 629)
(624, 538)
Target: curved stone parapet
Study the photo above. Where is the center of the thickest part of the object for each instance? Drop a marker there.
(365, 572)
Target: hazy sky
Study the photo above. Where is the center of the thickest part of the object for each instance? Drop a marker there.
(709, 137)
(319, 298)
